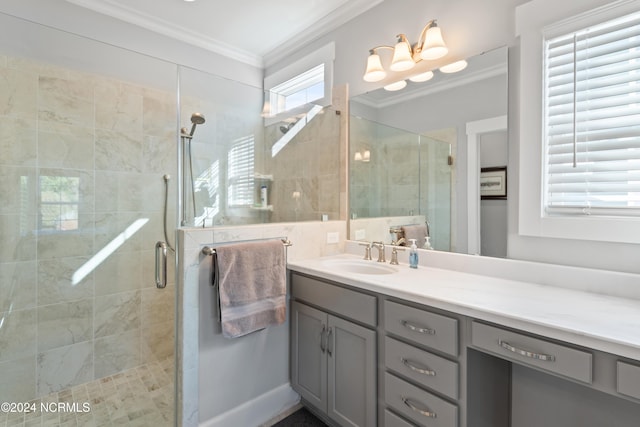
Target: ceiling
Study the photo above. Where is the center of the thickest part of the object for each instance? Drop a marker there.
(249, 31)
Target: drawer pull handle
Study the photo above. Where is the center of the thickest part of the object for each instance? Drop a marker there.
(525, 353)
(329, 343)
(413, 407)
(411, 326)
(415, 368)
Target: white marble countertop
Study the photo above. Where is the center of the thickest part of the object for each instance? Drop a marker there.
(602, 322)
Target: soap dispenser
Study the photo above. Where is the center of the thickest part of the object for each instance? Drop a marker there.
(413, 254)
(427, 243)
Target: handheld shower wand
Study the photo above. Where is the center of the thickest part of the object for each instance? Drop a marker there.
(196, 119)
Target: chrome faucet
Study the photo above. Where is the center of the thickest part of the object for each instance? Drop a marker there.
(380, 247)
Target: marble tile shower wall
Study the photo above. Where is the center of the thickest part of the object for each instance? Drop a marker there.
(387, 185)
(93, 150)
(307, 173)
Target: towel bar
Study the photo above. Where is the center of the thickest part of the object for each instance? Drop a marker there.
(207, 250)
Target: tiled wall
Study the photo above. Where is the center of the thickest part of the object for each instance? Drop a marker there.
(307, 173)
(406, 174)
(77, 292)
(387, 184)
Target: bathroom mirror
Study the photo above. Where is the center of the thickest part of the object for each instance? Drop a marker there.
(409, 156)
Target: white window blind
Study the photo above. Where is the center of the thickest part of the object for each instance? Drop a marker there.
(592, 120)
(240, 172)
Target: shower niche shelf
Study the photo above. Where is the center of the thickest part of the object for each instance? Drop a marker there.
(263, 208)
(261, 177)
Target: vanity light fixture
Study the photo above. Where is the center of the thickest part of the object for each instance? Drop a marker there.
(430, 46)
(454, 67)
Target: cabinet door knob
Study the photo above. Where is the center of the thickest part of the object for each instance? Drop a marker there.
(413, 367)
(415, 328)
(329, 343)
(414, 408)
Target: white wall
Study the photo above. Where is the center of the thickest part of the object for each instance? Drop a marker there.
(469, 27)
(494, 213)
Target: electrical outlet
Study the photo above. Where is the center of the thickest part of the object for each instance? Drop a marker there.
(333, 237)
(361, 234)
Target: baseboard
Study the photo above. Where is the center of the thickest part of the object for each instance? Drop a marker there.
(257, 411)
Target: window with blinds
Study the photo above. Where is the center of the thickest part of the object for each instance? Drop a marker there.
(592, 120)
(240, 172)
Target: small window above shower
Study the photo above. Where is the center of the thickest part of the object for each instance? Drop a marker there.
(296, 88)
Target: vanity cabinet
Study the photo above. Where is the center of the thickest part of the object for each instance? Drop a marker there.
(552, 357)
(422, 373)
(353, 348)
(628, 379)
(333, 357)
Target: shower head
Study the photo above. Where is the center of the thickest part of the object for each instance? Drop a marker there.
(196, 119)
(287, 127)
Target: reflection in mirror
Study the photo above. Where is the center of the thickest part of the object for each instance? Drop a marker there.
(408, 152)
(386, 182)
(248, 169)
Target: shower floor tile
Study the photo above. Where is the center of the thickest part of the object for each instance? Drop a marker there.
(141, 396)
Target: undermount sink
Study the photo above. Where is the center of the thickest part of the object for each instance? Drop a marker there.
(360, 267)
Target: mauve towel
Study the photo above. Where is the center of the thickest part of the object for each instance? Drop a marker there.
(251, 285)
(418, 232)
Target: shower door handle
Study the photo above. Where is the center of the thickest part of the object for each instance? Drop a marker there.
(161, 265)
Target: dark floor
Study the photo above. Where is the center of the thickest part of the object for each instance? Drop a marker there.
(301, 418)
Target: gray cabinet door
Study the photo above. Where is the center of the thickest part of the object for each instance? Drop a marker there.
(308, 354)
(351, 352)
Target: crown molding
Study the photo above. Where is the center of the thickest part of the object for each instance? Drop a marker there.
(169, 29)
(185, 34)
(330, 22)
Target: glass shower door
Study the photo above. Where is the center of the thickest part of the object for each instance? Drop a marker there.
(87, 132)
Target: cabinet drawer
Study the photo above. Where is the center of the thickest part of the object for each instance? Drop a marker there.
(422, 367)
(417, 404)
(628, 379)
(527, 350)
(347, 303)
(392, 420)
(423, 327)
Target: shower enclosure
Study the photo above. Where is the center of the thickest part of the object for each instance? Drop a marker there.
(87, 132)
(397, 173)
(91, 154)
